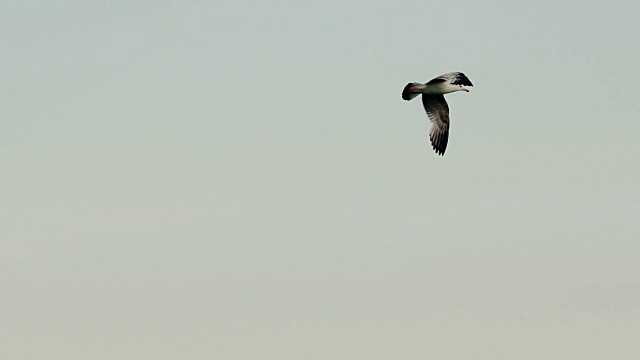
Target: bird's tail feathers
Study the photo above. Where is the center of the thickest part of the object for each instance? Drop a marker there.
(411, 91)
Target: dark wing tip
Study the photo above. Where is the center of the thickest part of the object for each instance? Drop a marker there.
(439, 142)
(461, 79)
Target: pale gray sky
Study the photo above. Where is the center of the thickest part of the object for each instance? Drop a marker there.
(241, 180)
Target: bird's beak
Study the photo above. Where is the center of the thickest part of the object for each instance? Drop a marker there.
(465, 89)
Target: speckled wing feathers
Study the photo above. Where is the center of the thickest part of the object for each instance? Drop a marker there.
(438, 112)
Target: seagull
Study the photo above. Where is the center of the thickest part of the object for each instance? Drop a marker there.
(435, 105)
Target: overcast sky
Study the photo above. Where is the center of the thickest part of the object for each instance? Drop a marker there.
(242, 180)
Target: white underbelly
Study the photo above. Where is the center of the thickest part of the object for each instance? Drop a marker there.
(440, 88)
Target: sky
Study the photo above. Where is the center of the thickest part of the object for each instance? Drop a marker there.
(241, 179)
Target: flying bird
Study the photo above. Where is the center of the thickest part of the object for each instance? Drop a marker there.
(435, 105)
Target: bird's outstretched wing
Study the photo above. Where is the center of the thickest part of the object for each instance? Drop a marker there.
(438, 112)
(453, 78)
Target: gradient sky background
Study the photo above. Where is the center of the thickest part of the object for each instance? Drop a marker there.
(241, 180)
